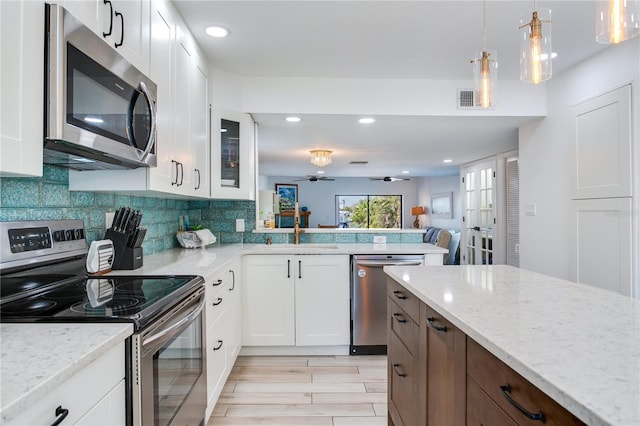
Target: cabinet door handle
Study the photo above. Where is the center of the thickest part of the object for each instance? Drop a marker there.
(107, 34)
(398, 317)
(181, 173)
(506, 390)
(61, 414)
(299, 268)
(399, 295)
(395, 368)
(432, 323)
(122, 31)
(233, 280)
(175, 163)
(216, 283)
(217, 348)
(198, 172)
(288, 268)
(217, 302)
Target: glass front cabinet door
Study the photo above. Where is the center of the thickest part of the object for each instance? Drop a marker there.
(233, 155)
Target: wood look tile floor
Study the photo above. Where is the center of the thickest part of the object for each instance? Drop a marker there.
(304, 391)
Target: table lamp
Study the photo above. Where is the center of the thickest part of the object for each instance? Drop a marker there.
(417, 211)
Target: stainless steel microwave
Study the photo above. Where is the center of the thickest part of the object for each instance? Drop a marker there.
(100, 111)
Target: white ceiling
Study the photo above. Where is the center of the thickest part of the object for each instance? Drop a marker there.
(380, 39)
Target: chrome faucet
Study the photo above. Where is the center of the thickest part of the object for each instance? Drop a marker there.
(296, 228)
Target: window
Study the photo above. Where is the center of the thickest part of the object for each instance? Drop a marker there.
(369, 211)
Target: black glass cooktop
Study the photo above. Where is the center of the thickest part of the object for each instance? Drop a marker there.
(137, 299)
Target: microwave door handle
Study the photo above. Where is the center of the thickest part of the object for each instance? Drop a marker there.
(152, 111)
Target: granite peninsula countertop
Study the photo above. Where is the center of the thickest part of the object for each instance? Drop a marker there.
(37, 358)
(577, 343)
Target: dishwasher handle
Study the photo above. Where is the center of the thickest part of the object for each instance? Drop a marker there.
(381, 263)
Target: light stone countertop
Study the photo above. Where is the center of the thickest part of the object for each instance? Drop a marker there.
(207, 261)
(37, 358)
(577, 343)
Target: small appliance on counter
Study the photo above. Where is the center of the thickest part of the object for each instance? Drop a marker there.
(127, 237)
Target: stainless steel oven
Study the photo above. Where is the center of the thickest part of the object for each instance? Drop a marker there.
(43, 279)
(169, 380)
(99, 109)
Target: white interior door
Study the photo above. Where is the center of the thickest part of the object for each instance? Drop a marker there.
(478, 205)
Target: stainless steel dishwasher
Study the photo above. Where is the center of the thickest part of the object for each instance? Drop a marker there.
(369, 300)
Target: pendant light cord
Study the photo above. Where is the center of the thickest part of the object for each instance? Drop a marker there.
(484, 24)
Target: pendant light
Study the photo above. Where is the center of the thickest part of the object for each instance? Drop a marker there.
(617, 20)
(535, 47)
(485, 70)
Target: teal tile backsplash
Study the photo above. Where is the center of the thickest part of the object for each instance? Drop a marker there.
(49, 198)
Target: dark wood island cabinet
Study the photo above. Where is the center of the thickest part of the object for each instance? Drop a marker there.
(438, 376)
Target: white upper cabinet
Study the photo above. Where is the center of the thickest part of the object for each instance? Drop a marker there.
(602, 156)
(233, 148)
(123, 24)
(182, 146)
(21, 87)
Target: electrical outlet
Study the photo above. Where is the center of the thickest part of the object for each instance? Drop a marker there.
(379, 239)
(530, 209)
(108, 219)
(239, 225)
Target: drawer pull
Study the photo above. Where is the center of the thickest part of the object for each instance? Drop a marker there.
(217, 302)
(219, 345)
(217, 283)
(506, 390)
(395, 368)
(399, 295)
(61, 414)
(432, 321)
(398, 317)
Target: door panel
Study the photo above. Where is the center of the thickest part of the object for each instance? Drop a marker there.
(478, 205)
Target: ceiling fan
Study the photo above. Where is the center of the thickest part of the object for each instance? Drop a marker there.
(389, 179)
(314, 178)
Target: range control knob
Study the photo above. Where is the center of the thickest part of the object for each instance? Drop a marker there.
(59, 235)
(79, 234)
(70, 234)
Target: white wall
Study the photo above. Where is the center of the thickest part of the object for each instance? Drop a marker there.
(427, 186)
(546, 155)
(319, 197)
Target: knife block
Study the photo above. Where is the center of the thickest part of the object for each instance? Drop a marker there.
(124, 257)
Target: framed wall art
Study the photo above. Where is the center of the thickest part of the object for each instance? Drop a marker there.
(288, 193)
(442, 205)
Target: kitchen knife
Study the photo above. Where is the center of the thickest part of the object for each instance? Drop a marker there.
(116, 219)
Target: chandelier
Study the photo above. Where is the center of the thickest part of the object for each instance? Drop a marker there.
(320, 157)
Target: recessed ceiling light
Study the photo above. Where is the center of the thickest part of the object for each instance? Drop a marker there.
(217, 31)
(405, 172)
(447, 161)
(320, 172)
(366, 120)
(293, 119)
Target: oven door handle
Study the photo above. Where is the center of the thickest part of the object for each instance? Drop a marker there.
(167, 332)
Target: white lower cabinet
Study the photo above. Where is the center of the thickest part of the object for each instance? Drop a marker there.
(93, 396)
(223, 329)
(300, 300)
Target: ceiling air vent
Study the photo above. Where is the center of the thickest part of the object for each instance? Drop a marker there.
(358, 162)
(465, 99)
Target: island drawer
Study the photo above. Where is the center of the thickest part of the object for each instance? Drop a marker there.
(482, 410)
(403, 326)
(405, 299)
(402, 380)
(501, 383)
